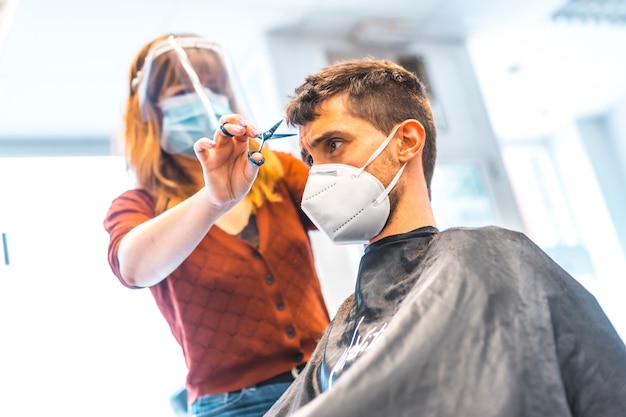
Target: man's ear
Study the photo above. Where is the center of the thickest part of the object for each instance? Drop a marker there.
(413, 138)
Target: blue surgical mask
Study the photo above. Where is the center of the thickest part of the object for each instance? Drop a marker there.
(185, 120)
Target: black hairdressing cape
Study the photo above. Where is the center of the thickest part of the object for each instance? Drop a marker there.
(462, 323)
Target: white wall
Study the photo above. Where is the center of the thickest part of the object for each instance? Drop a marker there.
(617, 126)
(74, 340)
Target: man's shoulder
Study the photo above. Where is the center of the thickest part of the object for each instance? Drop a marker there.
(490, 233)
(496, 252)
(487, 230)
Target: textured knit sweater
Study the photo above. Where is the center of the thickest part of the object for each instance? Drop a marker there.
(241, 314)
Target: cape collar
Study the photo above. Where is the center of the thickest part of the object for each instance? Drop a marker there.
(390, 261)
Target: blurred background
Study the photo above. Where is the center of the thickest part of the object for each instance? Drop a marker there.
(529, 98)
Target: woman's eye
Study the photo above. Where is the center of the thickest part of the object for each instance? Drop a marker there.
(177, 93)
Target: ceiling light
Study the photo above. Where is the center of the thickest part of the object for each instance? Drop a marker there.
(595, 11)
(383, 32)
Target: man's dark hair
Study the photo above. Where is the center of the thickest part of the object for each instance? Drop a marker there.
(378, 91)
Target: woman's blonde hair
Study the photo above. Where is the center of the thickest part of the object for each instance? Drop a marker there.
(156, 171)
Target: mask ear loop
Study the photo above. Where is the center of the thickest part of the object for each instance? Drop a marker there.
(395, 179)
(378, 151)
(390, 186)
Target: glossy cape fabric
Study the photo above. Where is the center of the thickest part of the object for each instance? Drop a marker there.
(468, 322)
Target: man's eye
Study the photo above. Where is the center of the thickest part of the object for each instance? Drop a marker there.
(333, 145)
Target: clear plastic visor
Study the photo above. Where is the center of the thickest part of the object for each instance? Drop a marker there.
(189, 68)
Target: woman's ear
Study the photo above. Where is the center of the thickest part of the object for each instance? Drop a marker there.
(413, 137)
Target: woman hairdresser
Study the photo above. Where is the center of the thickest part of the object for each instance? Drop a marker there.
(221, 243)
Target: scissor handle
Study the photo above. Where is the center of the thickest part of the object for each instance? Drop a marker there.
(257, 163)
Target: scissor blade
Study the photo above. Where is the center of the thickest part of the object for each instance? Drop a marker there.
(270, 132)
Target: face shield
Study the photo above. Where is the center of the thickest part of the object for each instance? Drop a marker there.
(185, 85)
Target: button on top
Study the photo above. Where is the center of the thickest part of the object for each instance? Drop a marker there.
(291, 333)
(257, 255)
(280, 305)
(269, 280)
(298, 357)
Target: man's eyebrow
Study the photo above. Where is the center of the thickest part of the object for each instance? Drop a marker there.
(323, 138)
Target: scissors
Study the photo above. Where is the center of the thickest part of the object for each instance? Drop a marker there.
(267, 135)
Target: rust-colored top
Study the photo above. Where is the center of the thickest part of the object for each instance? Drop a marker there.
(241, 314)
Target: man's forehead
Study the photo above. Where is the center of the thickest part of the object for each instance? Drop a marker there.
(331, 114)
